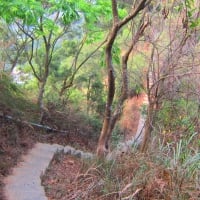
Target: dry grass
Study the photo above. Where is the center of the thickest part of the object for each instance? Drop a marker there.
(130, 116)
(16, 138)
(133, 176)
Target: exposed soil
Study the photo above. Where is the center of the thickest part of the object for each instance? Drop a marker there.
(60, 178)
(133, 176)
(16, 138)
(71, 178)
(131, 115)
(67, 178)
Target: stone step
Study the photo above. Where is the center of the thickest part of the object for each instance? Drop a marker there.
(24, 183)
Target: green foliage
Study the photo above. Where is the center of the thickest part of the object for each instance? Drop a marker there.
(116, 136)
(42, 32)
(115, 56)
(178, 115)
(45, 21)
(185, 155)
(191, 8)
(7, 84)
(96, 12)
(27, 10)
(75, 96)
(143, 109)
(136, 68)
(96, 96)
(30, 10)
(12, 97)
(98, 17)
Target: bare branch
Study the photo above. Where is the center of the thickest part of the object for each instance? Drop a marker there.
(141, 5)
(68, 85)
(30, 58)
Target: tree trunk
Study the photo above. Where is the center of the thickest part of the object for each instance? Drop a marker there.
(147, 128)
(88, 95)
(102, 148)
(41, 94)
(109, 121)
(124, 95)
(40, 99)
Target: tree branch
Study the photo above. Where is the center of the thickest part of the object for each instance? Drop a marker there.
(30, 58)
(142, 4)
(65, 85)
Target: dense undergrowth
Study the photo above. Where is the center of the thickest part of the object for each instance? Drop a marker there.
(13, 99)
(18, 135)
(169, 170)
(163, 172)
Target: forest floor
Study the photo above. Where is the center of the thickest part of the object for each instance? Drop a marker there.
(134, 176)
(17, 137)
(67, 176)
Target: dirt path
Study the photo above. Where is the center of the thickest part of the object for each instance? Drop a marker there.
(71, 178)
(24, 183)
(132, 123)
(131, 115)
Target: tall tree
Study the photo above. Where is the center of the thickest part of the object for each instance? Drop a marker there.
(103, 144)
(52, 25)
(43, 24)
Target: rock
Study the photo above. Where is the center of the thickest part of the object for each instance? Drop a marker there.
(87, 156)
(78, 153)
(69, 150)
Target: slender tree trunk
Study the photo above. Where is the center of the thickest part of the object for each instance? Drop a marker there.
(103, 140)
(102, 147)
(88, 95)
(109, 119)
(147, 128)
(41, 94)
(151, 93)
(124, 95)
(40, 99)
